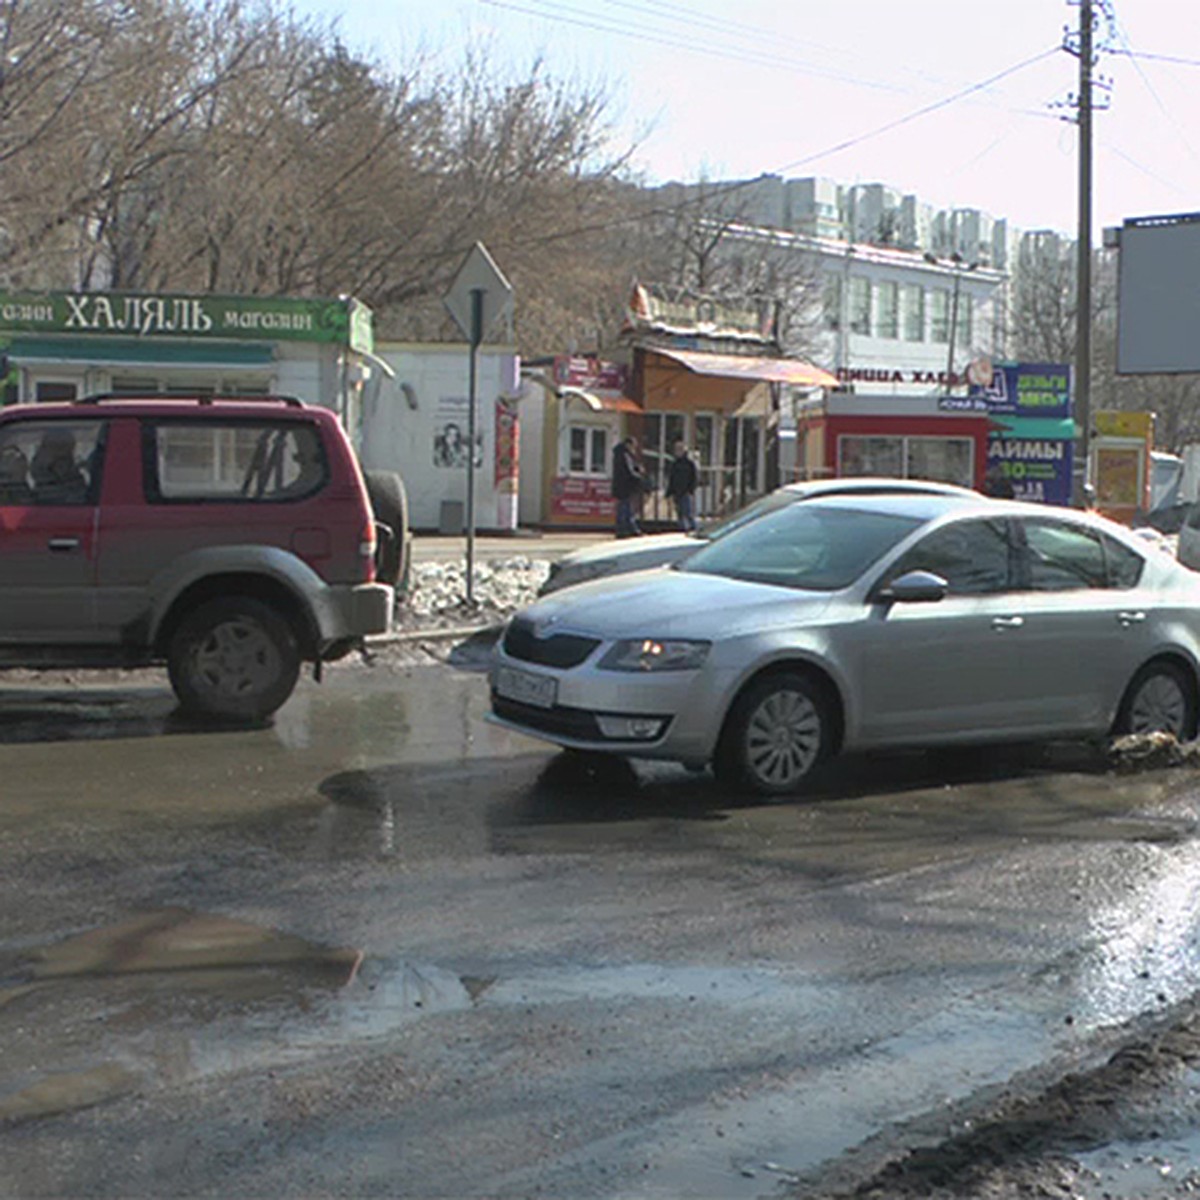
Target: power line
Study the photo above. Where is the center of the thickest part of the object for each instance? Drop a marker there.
(729, 189)
(1166, 58)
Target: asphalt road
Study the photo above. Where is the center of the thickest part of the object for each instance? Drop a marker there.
(380, 947)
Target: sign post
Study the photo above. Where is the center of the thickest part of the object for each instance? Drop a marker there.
(478, 296)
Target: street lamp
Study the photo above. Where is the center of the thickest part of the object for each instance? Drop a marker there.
(956, 261)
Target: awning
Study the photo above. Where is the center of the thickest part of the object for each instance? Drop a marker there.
(144, 352)
(738, 366)
(598, 403)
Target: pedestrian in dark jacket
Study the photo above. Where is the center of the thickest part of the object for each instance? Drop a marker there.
(682, 478)
(628, 482)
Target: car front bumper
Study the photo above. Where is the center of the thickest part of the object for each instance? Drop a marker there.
(667, 715)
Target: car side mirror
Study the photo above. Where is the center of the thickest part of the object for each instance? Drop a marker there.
(914, 587)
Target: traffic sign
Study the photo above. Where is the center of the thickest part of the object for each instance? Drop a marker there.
(478, 274)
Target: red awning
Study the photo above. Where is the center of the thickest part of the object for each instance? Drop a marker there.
(738, 366)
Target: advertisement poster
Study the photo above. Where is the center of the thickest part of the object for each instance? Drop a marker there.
(1026, 390)
(1038, 469)
(582, 499)
(450, 434)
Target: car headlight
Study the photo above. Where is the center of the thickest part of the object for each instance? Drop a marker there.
(652, 654)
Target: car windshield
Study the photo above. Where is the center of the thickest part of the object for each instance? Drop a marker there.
(764, 504)
(808, 546)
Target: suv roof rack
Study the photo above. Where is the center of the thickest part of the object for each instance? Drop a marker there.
(191, 398)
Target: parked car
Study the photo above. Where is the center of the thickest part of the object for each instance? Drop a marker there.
(847, 622)
(1187, 548)
(229, 539)
(661, 549)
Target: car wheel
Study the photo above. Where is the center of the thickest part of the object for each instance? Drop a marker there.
(776, 733)
(234, 658)
(1160, 699)
(389, 502)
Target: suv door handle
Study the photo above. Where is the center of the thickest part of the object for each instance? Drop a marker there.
(63, 545)
(1002, 623)
(1125, 619)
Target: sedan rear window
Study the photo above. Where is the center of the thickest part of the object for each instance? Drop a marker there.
(808, 546)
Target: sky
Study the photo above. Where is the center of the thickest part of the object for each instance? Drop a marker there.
(964, 102)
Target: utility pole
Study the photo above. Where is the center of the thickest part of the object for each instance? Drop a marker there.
(1083, 274)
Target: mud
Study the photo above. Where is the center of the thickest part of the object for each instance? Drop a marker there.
(1125, 1128)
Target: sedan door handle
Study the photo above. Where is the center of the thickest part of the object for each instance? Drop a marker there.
(1002, 623)
(63, 545)
(1125, 619)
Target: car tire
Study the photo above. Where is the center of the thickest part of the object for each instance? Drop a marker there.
(233, 658)
(1161, 698)
(389, 503)
(777, 732)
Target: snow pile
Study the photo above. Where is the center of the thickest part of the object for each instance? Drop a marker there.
(436, 598)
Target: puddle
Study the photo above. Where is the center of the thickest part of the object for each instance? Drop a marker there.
(67, 1092)
(177, 940)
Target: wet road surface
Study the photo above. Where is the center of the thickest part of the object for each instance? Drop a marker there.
(380, 947)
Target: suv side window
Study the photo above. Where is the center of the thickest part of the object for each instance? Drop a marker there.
(974, 557)
(226, 461)
(52, 463)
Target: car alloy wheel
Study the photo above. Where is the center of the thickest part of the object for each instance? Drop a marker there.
(1161, 699)
(777, 732)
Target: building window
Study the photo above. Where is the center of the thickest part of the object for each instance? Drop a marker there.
(833, 302)
(939, 315)
(888, 310)
(962, 332)
(860, 306)
(587, 450)
(913, 302)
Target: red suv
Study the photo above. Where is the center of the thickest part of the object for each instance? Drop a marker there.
(230, 538)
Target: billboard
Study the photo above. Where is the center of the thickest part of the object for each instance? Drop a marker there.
(1158, 300)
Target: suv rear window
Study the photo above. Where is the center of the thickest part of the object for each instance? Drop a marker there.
(233, 461)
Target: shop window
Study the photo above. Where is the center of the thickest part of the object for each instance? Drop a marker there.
(705, 447)
(587, 450)
(912, 297)
(946, 460)
(870, 456)
(860, 306)
(939, 315)
(888, 311)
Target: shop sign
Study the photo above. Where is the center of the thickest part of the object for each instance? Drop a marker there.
(581, 498)
(270, 318)
(1038, 469)
(507, 453)
(1026, 390)
(895, 375)
(590, 374)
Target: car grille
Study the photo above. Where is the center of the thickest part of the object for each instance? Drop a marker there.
(570, 722)
(558, 650)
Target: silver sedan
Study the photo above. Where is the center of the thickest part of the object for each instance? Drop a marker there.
(851, 622)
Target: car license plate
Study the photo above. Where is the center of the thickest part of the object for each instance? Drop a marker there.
(538, 690)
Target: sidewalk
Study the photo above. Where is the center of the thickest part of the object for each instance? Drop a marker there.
(550, 545)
